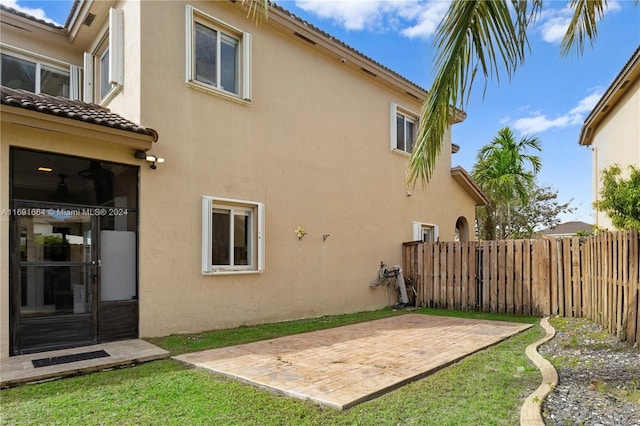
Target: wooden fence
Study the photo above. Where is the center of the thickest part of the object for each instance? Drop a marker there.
(593, 277)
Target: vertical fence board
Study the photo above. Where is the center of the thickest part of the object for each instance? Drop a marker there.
(575, 276)
(486, 297)
(560, 277)
(632, 300)
(493, 276)
(451, 271)
(553, 277)
(526, 278)
(472, 290)
(509, 278)
(517, 271)
(464, 275)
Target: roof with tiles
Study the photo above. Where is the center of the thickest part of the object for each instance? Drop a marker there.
(74, 110)
(30, 17)
(340, 42)
(566, 228)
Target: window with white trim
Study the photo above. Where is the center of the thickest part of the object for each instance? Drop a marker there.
(233, 236)
(218, 56)
(425, 232)
(404, 125)
(104, 65)
(28, 72)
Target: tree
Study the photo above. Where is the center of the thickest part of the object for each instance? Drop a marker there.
(483, 35)
(502, 173)
(620, 197)
(542, 210)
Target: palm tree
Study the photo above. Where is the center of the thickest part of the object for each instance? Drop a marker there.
(505, 171)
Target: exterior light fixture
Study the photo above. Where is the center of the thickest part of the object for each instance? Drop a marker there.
(153, 159)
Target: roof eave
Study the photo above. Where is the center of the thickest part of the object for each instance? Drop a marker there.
(48, 122)
(466, 181)
(627, 76)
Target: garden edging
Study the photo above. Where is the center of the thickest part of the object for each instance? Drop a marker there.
(531, 412)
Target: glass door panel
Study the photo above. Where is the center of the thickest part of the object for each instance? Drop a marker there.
(56, 269)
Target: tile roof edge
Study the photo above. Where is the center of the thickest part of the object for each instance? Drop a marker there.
(16, 12)
(71, 109)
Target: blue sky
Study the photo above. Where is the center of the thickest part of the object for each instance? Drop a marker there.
(549, 96)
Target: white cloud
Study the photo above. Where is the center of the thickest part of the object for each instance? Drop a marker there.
(538, 122)
(553, 23)
(587, 104)
(429, 16)
(37, 13)
(412, 18)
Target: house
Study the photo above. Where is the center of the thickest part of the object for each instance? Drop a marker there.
(282, 190)
(568, 229)
(612, 129)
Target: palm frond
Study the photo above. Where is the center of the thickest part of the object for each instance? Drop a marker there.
(475, 35)
(583, 25)
(258, 10)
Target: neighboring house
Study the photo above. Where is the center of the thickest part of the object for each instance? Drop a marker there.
(567, 229)
(265, 129)
(612, 129)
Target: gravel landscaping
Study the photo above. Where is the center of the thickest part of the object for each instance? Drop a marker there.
(599, 377)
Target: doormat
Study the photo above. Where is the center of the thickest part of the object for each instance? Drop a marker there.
(55, 360)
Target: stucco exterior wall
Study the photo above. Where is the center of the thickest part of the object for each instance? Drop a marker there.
(313, 145)
(617, 141)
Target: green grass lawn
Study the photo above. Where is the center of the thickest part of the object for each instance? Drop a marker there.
(486, 388)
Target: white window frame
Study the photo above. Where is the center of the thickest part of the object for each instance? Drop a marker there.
(256, 244)
(113, 38)
(243, 76)
(418, 231)
(46, 62)
(409, 115)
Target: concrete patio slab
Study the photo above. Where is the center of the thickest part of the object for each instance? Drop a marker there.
(19, 369)
(344, 366)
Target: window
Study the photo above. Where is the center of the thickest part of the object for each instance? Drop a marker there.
(425, 232)
(104, 66)
(218, 56)
(403, 129)
(233, 236)
(27, 73)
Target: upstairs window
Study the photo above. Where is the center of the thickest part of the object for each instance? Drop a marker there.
(34, 75)
(218, 56)
(233, 236)
(404, 125)
(104, 65)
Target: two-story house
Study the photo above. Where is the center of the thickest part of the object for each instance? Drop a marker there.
(612, 129)
(281, 190)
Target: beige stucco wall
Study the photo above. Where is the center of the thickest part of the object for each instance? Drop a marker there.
(313, 146)
(617, 140)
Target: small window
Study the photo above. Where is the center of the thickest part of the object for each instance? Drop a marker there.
(233, 236)
(403, 129)
(218, 56)
(425, 232)
(104, 66)
(35, 76)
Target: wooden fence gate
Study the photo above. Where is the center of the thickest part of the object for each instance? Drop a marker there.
(594, 277)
